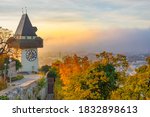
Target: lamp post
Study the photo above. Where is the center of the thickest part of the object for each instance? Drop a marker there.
(10, 60)
(5, 71)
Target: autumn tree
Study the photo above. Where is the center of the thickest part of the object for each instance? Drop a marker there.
(119, 61)
(70, 67)
(5, 54)
(5, 40)
(136, 87)
(4, 36)
(82, 79)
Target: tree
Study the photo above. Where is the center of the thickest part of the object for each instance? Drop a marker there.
(58, 95)
(4, 36)
(5, 40)
(45, 68)
(94, 83)
(136, 87)
(82, 79)
(52, 73)
(118, 61)
(71, 66)
(3, 66)
(4, 61)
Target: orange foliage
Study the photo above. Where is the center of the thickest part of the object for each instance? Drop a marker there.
(71, 66)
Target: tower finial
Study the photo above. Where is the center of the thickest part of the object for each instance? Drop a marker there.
(26, 9)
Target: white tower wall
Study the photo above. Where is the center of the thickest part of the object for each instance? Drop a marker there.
(29, 66)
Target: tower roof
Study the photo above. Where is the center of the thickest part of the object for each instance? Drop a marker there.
(25, 27)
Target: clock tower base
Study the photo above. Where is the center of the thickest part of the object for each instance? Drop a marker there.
(27, 65)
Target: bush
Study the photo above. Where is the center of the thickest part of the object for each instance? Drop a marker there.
(58, 89)
(52, 73)
(3, 84)
(18, 77)
(4, 97)
(41, 83)
(45, 68)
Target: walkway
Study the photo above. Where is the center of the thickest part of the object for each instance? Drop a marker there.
(27, 79)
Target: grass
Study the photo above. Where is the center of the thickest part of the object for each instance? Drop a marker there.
(18, 77)
(4, 97)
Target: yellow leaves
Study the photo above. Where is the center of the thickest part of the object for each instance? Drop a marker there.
(104, 61)
(99, 79)
(84, 80)
(118, 60)
(135, 87)
(104, 79)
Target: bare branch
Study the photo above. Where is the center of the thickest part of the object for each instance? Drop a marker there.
(4, 36)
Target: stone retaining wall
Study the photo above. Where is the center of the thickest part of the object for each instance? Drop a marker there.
(25, 91)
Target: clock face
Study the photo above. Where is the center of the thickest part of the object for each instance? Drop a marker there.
(31, 55)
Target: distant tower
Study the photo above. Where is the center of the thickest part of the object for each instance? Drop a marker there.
(25, 38)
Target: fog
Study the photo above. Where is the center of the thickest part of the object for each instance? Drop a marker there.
(114, 40)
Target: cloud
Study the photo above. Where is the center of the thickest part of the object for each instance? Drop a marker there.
(85, 17)
(106, 13)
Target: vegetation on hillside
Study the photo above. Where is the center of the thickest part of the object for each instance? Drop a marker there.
(102, 79)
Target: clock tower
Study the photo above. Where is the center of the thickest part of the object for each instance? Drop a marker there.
(25, 38)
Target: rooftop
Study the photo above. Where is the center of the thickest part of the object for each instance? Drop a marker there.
(25, 27)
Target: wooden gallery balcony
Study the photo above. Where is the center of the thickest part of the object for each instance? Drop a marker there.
(25, 43)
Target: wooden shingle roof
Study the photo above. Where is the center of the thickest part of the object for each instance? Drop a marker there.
(25, 27)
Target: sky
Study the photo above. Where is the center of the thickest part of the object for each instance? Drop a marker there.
(84, 25)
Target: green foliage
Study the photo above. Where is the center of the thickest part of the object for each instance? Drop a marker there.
(18, 77)
(148, 60)
(93, 80)
(102, 79)
(95, 83)
(4, 61)
(3, 84)
(45, 68)
(58, 89)
(136, 87)
(118, 60)
(18, 98)
(52, 73)
(18, 64)
(142, 69)
(4, 97)
(41, 83)
(38, 97)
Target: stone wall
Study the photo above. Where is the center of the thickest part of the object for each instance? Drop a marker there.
(25, 91)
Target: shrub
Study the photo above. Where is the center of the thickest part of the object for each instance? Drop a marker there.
(3, 84)
(41, 83)
(4, 97)
(18, 77)
(52, 73)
